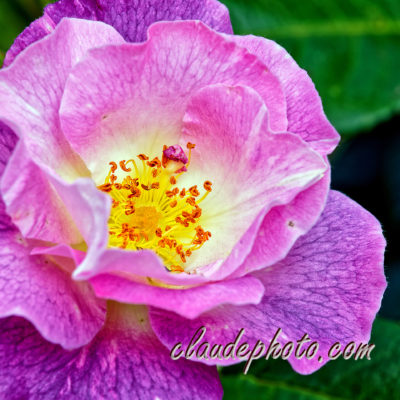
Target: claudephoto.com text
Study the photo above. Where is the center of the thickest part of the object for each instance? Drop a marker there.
(304, 347)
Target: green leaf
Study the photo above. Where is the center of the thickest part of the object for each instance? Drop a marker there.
(12, 23)
(378, 378)
(44, 3)
(32, 9)
(351, 49)
(244, 388)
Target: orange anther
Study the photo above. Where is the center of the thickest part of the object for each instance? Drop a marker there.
(124, 167)
(135, 193)
(143, 157)
(183, 192)
(159, 232)
(115, 203)
(107, 187)
(194, 191)
(113, 166)
(207, 185)
(173, 203)
(130, 208)
(155, 162)
(172, 180)
(170, 242)
(197, 213)
(155, 185)
(191, 201)
(190, 145)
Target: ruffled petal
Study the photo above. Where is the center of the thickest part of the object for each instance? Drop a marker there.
(138, 266)
(125, 100)
(31, 91)
(130, 18)
(188, 302)
(283, 225)
(63, 210)
(124, 361)
(304, 108)
(8, 140)
(33, 204)
(251, 168)
(330, 286)
(39, 289)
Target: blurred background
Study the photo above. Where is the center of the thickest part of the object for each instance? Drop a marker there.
(351, 50)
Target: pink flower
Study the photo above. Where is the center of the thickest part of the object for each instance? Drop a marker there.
(155, 188)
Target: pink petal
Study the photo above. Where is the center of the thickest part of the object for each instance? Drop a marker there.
(252, 169)
(189, 303)
(31, 91)
(304, 108)
(131, 19)
(130, 99)
(124, 361)
(8, 141)
(283, 225)
(132, 265)
(329, 286)
(33, 204)
(35, 287)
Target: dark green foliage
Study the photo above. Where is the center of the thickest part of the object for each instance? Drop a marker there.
(378, 378)
(349, 47)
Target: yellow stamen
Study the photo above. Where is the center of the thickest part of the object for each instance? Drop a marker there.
(155, 214)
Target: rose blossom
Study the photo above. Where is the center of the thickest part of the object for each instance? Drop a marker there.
(161, 186)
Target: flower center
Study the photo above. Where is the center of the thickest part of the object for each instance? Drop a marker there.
(146, 219)
(150, 211)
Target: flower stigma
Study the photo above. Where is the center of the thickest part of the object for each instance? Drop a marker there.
(150, 211)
